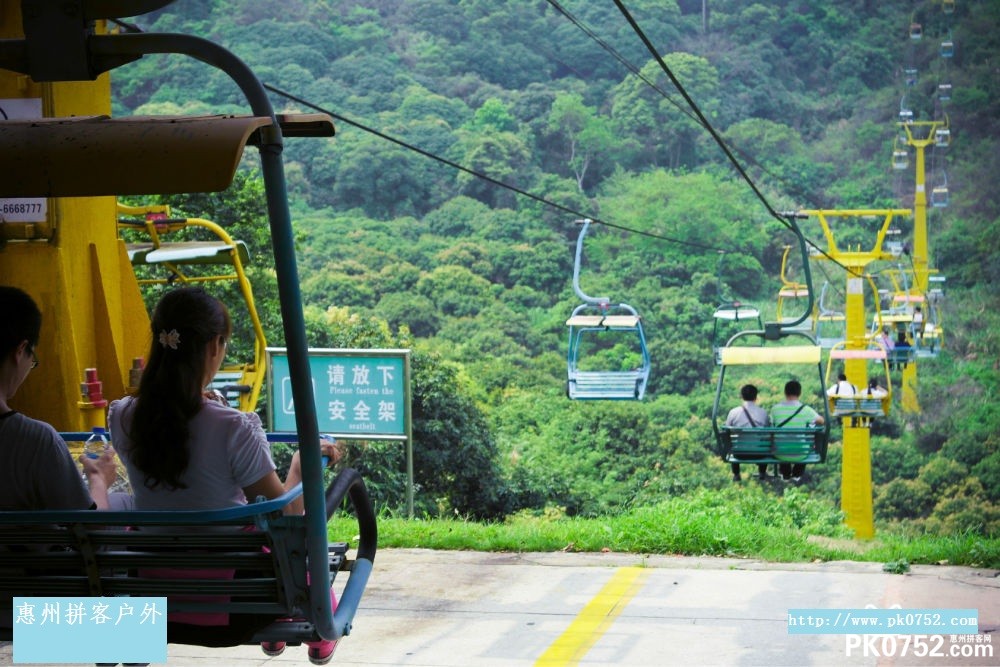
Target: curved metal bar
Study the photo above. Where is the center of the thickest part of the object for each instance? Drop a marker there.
(776, 330)
(595, 300)
(282, 238)
(349, 483)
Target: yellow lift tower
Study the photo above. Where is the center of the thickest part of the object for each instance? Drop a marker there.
(856, 477)
(920, 135)
(65, 252)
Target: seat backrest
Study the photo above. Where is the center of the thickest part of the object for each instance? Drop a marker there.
(773, 445)
(188, 557)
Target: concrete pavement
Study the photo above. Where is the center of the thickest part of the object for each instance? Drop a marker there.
(444, 609)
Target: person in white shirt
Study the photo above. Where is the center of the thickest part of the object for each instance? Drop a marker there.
(842, 387)
(874, 391)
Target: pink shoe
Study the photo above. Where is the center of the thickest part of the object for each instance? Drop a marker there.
(272, 648)
(321, 652)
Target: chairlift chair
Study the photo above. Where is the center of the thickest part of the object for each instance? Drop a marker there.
(791, 291)
(590, 323)
(939, 196)
(765, 445)
(948, 6)
(916, 31)
(142, 156)
(860, 404)
(942, 137)
(944, 92)
(729, 316)
(830, 326)
(900, 160)
(910, 76)
(189, 261)
(596, 323)
(947, 49)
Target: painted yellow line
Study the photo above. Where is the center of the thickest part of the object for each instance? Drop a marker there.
(594, 619)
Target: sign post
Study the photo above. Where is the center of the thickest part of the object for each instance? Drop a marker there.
(359, 395)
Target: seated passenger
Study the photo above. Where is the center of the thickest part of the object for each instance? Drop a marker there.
(842, 387)
(186, 451)
(792, 413)
(874, 391)
(917, 325)
(886, 340)
(901, 352)
(36, 469)
(748, 415)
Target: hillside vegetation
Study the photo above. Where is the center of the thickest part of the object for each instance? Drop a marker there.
(399, 250)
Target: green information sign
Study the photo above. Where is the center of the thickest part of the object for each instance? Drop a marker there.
(358, 393)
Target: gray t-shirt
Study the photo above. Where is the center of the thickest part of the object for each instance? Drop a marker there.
(739, 417)
(36, 469)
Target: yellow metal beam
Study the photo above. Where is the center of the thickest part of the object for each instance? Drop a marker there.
(792, 354)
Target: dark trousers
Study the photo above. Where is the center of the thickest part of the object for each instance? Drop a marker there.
(761, 468)
(791, 469)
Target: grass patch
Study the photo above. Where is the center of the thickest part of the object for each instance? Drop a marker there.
(742, 522)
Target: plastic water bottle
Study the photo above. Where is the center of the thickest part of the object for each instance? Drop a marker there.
(96, 444)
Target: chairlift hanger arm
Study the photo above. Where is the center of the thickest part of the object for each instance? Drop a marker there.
(887, 214)
(578, 260)
(775, 330)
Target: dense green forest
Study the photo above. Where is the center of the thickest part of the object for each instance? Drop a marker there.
(563, 103)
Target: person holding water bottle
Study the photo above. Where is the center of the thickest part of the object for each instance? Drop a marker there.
(36, 468)
(186, 450)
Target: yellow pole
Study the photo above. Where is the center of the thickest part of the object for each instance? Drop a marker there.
(920, 135)
(856, 467)
(71, 262)
(856, 481)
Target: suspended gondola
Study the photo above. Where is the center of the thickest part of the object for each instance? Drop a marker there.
(730, 316)
(772, 444)
(863, 401)
(778, 444)
(829, 324)
(791, 291)
(608, 358)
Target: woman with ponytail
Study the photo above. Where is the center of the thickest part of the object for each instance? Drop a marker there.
(183, 448)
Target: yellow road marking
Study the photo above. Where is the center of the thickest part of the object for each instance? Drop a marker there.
(594, 619)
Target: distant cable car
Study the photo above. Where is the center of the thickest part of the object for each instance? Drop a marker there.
(607, 357)
(730, 316)
(900, 159)
(940, 197)
(830, 326)
(862, 403)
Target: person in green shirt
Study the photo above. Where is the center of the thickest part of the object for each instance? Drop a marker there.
(793, 413)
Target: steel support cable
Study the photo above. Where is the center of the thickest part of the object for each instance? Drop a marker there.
(455, 165)
(796, 190)
(773, 329)
(784, 218)
(490, 179)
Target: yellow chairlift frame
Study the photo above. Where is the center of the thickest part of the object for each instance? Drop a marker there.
(240, 383)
